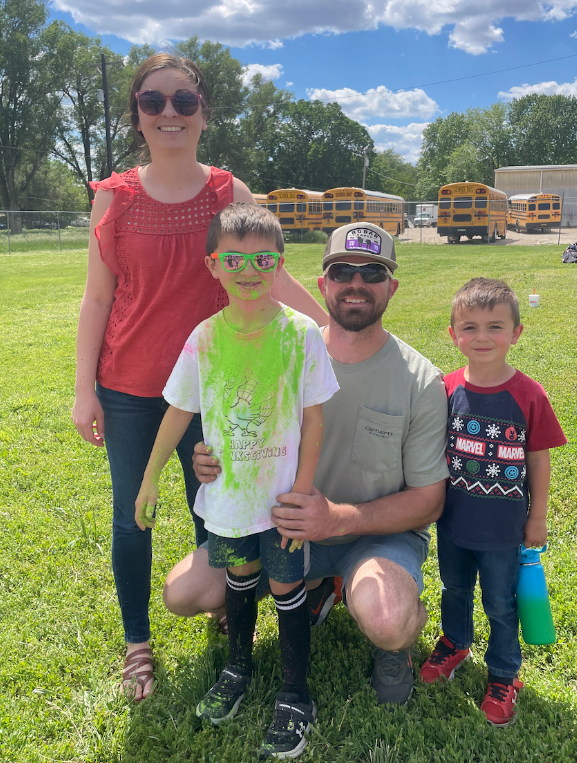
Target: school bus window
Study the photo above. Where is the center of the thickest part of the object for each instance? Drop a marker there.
(359, 205)
(543, 205)
(271, 207)
(480, 203)
(328, 206)
(463, 202)
(301, 207)
(286, 208)
(343, 206)
(445, 204)
(531, 207)
(556, 205)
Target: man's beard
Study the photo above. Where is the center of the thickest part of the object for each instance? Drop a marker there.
(351, 319)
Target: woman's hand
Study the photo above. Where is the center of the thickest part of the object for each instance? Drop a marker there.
(88, 418)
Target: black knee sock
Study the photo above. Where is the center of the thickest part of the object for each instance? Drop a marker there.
(295, 639)
(241, 609)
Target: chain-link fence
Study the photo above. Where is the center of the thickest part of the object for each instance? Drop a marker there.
(511, 224)
(29, 231)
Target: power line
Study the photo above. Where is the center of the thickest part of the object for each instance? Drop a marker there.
(404, 182)
(457, 79)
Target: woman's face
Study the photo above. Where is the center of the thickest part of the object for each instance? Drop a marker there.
(169, 129)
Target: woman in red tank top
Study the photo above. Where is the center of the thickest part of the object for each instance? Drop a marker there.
(147, 288)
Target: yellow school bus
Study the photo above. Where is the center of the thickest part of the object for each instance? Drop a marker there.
(260, 199)
(296, 209)
(342, 206)
(471, 209)
(534, 211)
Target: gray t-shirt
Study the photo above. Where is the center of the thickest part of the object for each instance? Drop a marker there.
(385, 428)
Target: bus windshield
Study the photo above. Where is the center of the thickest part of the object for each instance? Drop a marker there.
(463, 202)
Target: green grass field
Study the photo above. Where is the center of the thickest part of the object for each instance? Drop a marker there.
(59, 620)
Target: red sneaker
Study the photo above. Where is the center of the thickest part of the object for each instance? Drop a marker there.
(443, 661)
(499, 703)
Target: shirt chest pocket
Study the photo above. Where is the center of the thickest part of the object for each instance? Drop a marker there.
(378, 440)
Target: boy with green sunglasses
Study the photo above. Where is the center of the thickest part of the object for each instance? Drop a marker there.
(258, 372)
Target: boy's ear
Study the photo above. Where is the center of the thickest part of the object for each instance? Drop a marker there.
(453, 336)
(211, 265)
(517, 333)
(280, 263)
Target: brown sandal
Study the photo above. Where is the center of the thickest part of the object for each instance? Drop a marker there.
(130, 673)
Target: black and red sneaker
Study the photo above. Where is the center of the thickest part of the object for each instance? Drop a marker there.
(500, 702)
(443, 661)
(323, 598)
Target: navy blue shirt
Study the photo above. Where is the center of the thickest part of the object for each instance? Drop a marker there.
(490, 431)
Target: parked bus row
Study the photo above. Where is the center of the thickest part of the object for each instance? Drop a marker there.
(475, 209)
(298, 209)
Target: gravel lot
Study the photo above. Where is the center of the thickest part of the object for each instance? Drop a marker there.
(430, 236)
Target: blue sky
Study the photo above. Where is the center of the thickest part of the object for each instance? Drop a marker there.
(361, 54)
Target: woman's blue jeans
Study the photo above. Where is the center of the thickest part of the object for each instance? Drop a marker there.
(498, 574)
(130, 427)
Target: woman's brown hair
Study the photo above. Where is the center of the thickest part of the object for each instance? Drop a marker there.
(166, 61)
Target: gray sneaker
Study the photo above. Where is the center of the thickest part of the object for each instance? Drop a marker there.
(392, 677)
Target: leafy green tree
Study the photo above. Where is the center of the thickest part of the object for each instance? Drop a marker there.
(317, 147)
(32, 61)
(544, 129)
(222, 143)
(265, 108)
(463, 164)
(81, 130)
(440, 139)
(388, 172)
(55, 186)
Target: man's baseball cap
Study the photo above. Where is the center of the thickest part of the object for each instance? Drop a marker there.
(361, 238)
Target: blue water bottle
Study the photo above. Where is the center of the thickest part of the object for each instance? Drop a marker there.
(533, 599)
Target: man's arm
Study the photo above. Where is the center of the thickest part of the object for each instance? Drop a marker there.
(318, 518)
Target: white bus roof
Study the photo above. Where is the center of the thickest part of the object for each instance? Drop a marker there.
(300, 190)
(530, 196)
(377, 194)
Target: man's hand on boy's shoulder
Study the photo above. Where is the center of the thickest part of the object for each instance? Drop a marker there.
(535, 532)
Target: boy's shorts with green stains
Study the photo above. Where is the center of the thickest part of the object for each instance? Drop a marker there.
(281, 564)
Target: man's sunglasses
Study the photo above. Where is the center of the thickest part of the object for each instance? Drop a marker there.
(233, 262)
(344, 272)
(184, 102)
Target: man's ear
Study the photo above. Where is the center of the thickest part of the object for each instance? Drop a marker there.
(322, 285)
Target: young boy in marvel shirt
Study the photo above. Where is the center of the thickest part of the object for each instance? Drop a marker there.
(501, 427)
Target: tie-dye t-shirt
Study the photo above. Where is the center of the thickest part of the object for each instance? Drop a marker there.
(251, 390)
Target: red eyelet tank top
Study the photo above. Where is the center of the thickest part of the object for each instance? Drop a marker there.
(164, 289)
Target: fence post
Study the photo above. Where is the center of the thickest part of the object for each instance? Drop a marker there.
(8, 228)
(58, 223)
(561, 218)
(488, 217)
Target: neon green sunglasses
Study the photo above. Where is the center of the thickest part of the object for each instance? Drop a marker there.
(233, 262)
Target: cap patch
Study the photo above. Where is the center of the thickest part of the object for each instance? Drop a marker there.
(363, 239)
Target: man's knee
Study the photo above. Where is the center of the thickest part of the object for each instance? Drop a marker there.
(384, 600)
(193, 587)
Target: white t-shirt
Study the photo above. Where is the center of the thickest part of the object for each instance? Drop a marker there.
(251, 390)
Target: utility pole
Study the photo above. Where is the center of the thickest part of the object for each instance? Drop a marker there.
(106, 114)
(365, 164)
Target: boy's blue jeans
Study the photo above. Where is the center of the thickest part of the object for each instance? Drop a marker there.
(130, 427)
(498, 573)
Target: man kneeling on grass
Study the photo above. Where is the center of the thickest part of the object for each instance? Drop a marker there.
(381, 474)
(258, 373)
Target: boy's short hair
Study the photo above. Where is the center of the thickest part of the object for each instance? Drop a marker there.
(485, 293)
(240, 220)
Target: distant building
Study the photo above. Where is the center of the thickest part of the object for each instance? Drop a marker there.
(543, 178)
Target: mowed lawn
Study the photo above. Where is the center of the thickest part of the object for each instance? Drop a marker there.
(60, 625)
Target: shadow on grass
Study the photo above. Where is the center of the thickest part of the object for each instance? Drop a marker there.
(442, 723)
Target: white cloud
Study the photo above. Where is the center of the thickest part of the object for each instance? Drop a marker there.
(275, 44)
(378, 102)
(542, 88)
(274, 71)
(288, 84)
(473, 26)
(404, 140)
(573, 34)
